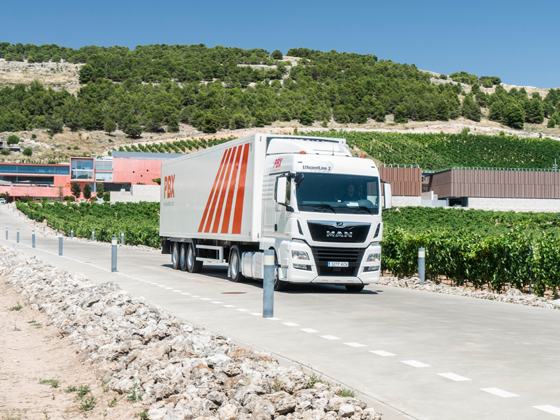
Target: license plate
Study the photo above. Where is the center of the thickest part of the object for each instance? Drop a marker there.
(337, 264)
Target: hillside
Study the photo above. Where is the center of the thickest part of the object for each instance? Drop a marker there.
(62, 101)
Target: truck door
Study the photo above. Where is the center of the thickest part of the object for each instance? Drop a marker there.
(281, 209)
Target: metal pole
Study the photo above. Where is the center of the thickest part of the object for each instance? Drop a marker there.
(122, 238)
(33, 238)
(113, 254)
(421, 264)
(17, 236)
(93, 235)
(6, 233)
(268, 284)
(60, 245)
(56, 232)
(71, 233)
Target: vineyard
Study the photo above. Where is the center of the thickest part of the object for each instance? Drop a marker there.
(178, 146)
(430, 152)
(138, 221)
(483, 248)
(434, 152)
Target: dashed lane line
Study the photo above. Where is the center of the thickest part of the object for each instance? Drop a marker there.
(228, 306)
(354, 344)
(382, 353)
(330, 337)
(414, 363)
(454, 377)
(309, 330)
(548, 409)
(217, 303)
(290, 324)
(499, 392)
(255, 314)
(242, 310)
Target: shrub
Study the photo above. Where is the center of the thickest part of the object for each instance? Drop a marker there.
(5, 151)
(13, 139)
(28, 151)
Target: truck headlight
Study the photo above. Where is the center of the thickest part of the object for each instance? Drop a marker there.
(373, 258)
(300, 255)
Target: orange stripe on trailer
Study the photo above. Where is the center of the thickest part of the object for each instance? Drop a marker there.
(223, 192)
(231, 191)
(215, 198)
(238, 214)
(201, 226)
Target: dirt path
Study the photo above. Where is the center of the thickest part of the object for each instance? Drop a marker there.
(32, 351)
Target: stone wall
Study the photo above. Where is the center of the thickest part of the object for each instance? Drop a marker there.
(137, 193)
(515, 204)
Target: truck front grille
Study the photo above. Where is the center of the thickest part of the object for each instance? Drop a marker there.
(324, 255)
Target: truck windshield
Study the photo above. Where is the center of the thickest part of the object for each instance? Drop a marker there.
(338, 193)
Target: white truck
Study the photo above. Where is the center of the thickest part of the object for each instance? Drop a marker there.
(306, 198)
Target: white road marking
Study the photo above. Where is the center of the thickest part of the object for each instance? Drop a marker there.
(185, 294)
(178, 291)
(382, 353)
(195, 296)
(548, 409)
(454, 377)
(169, 288)
(204, 298)
(217, 303)
(161, 285)
(309, 330)
(330, 337)
(415, 363)
(242, 310)
(229, 306)
(290, 324)
(274, 319)
(256, 314)
(499, 392)
(355, 344)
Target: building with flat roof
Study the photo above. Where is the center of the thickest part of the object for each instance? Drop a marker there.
(53, 181)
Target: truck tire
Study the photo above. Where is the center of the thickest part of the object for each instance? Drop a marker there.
(193, 266)
(235, 265)
(182, 256)
(354, 288)
(279, 285)
(175, 255)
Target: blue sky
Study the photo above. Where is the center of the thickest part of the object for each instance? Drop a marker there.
(517, 41)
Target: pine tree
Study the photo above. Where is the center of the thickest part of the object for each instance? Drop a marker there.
(515, 116)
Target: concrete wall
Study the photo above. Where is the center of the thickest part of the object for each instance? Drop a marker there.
(515, 204)
(404, 201)
(137, 193)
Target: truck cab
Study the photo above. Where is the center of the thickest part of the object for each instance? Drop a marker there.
(322, 213)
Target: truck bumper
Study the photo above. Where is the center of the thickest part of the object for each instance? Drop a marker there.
(306, 271)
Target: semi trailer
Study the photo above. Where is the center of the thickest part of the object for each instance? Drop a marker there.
(307, 198)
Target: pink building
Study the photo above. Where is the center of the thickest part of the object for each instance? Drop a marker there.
(53, 181)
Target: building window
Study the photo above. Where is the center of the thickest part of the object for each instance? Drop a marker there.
(82, 169)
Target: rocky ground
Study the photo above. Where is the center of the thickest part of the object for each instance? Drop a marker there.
(510, 296)
(169, 369)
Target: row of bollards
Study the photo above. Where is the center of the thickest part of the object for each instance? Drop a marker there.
(114, 242)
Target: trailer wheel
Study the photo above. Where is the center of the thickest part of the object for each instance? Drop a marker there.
(175, 256)
(354, 288)
(182, 256)
(193, 266)
(279, 285)
(235, 265)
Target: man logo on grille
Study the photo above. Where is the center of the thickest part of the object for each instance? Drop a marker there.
(339, 234)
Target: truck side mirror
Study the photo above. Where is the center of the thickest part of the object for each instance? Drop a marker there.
(299, 177)
(388, 196)
(280, 195)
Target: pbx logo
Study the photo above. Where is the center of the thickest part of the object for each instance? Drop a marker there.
(277, 163)
(169, 186)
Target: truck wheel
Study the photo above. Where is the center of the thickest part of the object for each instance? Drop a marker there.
(175, 256)
(182, 256)
(193, 266)
(354, 288)
(235, 265)
(279, 285)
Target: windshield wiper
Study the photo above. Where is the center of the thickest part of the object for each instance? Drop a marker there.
(370, 211)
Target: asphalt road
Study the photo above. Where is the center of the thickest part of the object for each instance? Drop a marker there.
(414, 354)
